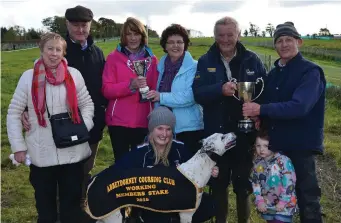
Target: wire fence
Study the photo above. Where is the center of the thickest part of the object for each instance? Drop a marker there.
(318, 52)
(29, 45)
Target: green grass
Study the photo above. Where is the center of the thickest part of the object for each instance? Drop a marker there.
(316, 49)
(18, 205)
(331, 68)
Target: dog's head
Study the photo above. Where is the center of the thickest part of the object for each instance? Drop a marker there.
(218, 143)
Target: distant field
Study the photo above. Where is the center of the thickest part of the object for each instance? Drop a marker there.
(199, 46)
(318, 49)
(334, 44)
(17, 197)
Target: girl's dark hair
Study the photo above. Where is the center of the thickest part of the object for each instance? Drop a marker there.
(263, 134)
(174, 29)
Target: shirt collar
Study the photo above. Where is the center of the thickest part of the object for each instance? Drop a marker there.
(224, 59)
(84, 46)
(279, 64)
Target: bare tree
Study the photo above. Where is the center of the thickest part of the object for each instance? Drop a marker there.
(254, 29)
(324, 32)
(270, 29)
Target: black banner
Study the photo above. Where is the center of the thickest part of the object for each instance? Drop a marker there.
(161, 189)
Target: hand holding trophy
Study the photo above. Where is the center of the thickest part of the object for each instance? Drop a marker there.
(140, 68)
(246, 91)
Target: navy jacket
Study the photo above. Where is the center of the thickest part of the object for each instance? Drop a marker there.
(294, 105)
(90, 62)
(221, 113)
(143, 156)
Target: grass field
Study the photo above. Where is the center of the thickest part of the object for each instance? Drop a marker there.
(331, 68)
(17, 201)
(317, 49)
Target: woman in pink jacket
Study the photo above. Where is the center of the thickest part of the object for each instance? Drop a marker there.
(126, 115)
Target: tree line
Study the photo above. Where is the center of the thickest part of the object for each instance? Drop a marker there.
(103, 28)
(255, 31)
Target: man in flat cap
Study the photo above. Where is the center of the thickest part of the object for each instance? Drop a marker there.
(84, 55)
(293, 113)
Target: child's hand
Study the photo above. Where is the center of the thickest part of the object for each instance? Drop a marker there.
(215, 171)
(280, 206)
(261, 207)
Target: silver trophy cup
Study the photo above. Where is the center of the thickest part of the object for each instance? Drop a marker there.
(246, 92)
(140, 67)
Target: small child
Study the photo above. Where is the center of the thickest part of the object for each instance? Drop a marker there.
(273, 180)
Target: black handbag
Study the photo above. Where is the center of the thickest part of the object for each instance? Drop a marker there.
(65, 132)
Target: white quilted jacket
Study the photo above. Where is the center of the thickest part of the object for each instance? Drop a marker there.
(38, 141)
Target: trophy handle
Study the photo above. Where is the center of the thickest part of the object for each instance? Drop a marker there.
(234, 80)
(261, 91)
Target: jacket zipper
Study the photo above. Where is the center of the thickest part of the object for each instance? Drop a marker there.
(113, 108)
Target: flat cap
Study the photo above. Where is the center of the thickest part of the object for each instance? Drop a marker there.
(79, 14)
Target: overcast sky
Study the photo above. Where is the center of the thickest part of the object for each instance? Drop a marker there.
(308, 16)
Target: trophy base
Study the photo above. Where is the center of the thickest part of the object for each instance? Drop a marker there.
(143, 98)
(143, 94)
(246, 126)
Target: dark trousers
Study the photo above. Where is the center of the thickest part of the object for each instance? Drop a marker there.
(235, 165)
(307, 189)
(191, 139)
(68, 179)
(125, 139)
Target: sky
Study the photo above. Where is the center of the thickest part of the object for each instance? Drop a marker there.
(308, 16)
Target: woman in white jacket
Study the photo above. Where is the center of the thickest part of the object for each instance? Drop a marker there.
(52, 84)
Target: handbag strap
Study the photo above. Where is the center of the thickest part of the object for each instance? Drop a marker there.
(47, 109)
(48, 112)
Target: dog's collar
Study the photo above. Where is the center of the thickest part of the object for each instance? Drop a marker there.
(213, 156)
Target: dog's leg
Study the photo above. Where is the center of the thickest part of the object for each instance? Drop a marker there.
(186, 217)
(115, 217)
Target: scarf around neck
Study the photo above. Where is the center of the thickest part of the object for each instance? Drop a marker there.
(171, 69)
(41, 74)
(139, 55)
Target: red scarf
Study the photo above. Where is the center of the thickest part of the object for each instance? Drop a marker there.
(41, 74)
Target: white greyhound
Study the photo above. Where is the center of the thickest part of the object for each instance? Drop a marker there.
(197, 169)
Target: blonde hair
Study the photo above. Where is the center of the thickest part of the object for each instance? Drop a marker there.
(161, 157)
(225, 21)
(135, 26)
(49, 36)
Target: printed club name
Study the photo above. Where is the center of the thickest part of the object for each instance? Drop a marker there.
(140, 190)
(134, 180)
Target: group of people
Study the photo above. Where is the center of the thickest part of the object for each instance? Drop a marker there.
(187, 101)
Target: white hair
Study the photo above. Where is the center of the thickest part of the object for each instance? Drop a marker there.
(225, 21)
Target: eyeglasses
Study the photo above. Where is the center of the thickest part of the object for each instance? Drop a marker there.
(175, 43)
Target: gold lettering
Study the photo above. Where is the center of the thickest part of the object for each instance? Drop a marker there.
(120, 183)
(109, 187)
(142, 199)
(157, 192)
(168, 181)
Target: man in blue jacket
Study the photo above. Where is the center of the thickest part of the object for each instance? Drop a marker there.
(293, 112)
(226, 59)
